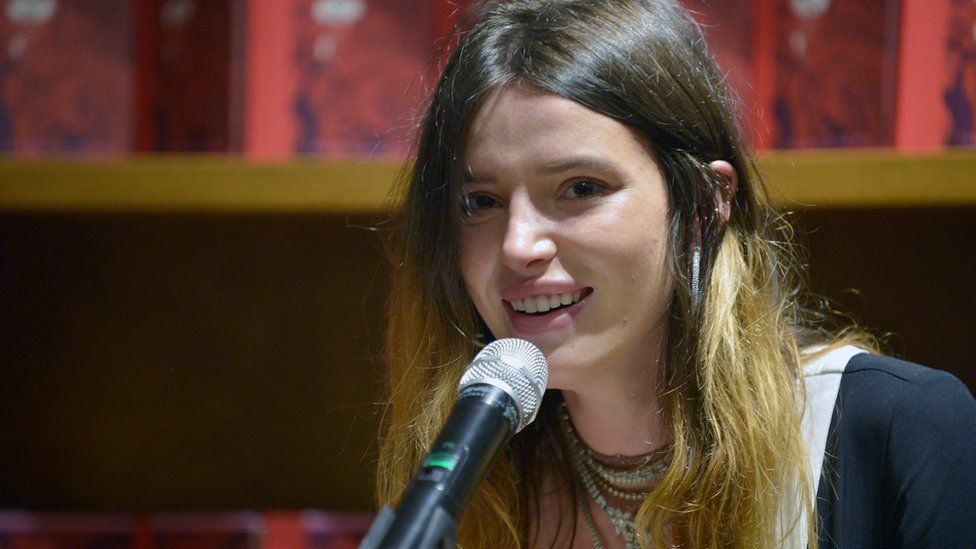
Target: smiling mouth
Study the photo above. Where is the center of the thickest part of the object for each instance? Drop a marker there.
(544, 304)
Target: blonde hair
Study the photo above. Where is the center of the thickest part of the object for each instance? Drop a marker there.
(732, 381)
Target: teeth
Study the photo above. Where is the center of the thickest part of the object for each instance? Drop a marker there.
(545, 303)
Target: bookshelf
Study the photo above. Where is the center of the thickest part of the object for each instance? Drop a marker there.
(204, 330)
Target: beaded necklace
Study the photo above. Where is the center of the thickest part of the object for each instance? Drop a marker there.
(625, 478)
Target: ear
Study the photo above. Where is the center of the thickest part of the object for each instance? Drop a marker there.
(728, 184)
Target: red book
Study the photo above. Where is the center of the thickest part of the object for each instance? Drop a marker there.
(922, 118)
(185, 66)
(834, 72)
(729, 26)
(334, 530)
(24, 529)
(66, 76)
(959, 93)
(231, 530)
(335, 77)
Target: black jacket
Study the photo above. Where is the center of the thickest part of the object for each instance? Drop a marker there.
(900, 463)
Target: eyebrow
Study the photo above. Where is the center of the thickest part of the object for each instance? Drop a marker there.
(559, 166)
(591, 162)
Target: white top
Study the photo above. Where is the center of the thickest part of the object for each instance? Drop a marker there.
(821, 379)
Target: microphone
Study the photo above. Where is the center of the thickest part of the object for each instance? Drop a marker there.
(499, 394)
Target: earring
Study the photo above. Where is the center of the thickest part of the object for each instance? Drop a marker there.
(695, 284)
(696, 248)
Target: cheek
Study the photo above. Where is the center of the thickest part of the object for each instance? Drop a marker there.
(466, 257)
(644, 265)
(473, 262)
(475, 267)
(658, 272)
(655, 260)
(639, 254)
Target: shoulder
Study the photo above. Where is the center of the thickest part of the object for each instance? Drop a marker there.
(899, 373)
(900, 461)
(927, 416)
(874, 390)
(907, 396)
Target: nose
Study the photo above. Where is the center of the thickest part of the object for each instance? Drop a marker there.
(528, 246)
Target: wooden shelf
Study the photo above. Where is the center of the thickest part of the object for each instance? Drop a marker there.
(176, 183)
(870, 178)
(199, 183)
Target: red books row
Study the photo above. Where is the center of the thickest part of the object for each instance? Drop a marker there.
(279, 78)
(265, 77)
(238, 530)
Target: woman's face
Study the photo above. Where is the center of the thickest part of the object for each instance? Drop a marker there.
(564, 243)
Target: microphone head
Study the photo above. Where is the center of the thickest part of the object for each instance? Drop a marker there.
(517, 367)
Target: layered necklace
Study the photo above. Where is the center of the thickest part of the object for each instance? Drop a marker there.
(628, 479)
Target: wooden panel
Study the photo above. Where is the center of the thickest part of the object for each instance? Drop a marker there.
(906, 273)
(226, 362)
(188, 362)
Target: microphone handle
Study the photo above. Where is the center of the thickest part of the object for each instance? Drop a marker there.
(481, 423)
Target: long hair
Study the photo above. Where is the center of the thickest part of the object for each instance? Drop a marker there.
(732, 388)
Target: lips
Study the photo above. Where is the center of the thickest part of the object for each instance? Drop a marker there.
(542, 313)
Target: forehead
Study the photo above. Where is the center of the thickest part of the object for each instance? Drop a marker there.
(522, 123)
(514, 102)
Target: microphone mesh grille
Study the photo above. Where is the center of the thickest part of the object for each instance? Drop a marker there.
(514, 363)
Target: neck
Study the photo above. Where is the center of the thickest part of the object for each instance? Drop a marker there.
(619, 414)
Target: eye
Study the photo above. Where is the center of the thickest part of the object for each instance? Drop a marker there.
(582, 189)
(475, 203)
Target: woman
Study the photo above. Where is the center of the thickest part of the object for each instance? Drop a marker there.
(581, 183)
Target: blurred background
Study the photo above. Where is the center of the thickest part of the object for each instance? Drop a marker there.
(191, 286)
